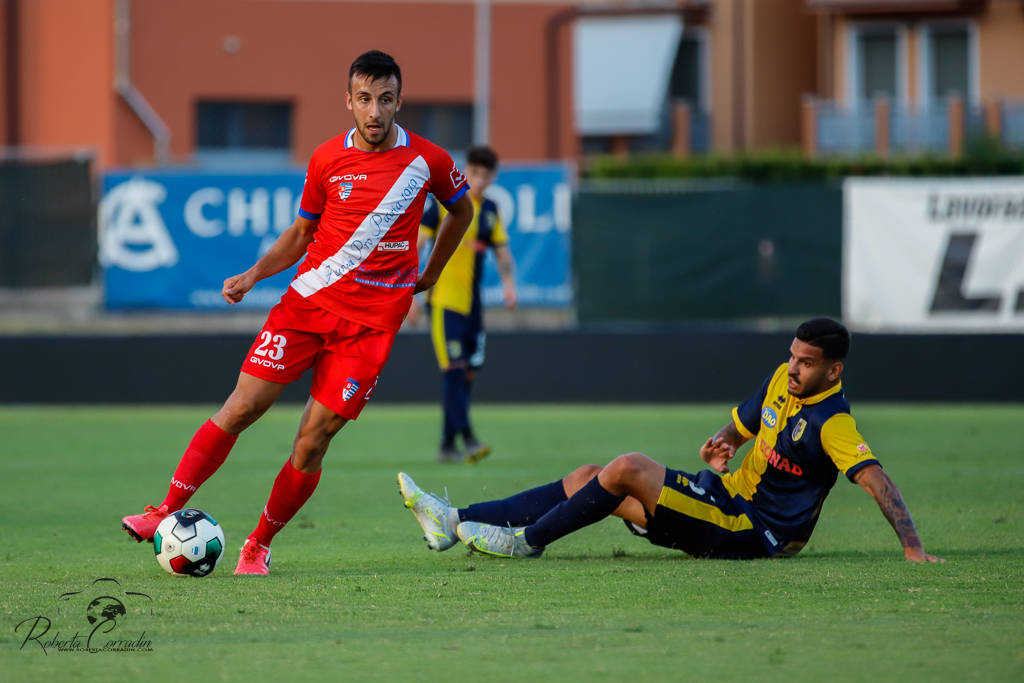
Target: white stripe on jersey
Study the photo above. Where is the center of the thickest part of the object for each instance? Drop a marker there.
(369, 233)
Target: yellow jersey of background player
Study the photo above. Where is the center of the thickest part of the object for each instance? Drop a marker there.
(456, 317)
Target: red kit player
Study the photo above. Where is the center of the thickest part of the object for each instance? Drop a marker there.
(357, 227)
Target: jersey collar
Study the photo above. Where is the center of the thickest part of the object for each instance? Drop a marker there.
(402, 140)
(818, 398)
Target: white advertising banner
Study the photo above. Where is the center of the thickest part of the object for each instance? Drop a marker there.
(932, 255)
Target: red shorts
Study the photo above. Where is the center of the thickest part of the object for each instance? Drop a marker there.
(346, 357)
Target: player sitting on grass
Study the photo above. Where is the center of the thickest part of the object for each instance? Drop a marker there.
(804, 437)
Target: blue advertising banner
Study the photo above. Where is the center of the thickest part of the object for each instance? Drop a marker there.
(535, 202)
(169, 239)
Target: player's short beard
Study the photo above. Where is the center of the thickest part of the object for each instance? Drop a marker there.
(809, 390)
(385, 132)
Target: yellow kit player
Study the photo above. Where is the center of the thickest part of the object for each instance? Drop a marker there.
(456, 320)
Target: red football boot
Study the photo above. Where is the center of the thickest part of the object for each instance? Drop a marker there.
(142, 527)
(254, 559)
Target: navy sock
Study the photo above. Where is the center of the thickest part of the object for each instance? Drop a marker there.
(518, 510)
(590, 504)
(455, 402)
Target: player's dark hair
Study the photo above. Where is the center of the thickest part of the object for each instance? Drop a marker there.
(482, 156)
(827, 334)
(375, 64)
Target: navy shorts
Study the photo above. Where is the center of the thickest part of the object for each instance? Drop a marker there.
(457, 338)
(696, 514)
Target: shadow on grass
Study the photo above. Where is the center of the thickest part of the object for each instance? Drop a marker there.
(808, 556)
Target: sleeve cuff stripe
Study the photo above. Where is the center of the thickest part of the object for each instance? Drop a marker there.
(307, 215)
(740, 427)
(859, 466)
(457, 196)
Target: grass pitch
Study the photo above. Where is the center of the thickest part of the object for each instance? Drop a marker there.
(355, 595)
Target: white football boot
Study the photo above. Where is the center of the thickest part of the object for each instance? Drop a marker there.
(491, 539)
(431, 511)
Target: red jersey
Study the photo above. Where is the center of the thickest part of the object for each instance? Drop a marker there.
(362, 264)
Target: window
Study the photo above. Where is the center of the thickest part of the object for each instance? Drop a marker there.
(232, 132)
(875, 63)
(687, 79)
(947, 62)
(449, 126)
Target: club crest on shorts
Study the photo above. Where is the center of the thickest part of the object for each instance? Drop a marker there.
(344, 190)
(798, 429)
(350, 389)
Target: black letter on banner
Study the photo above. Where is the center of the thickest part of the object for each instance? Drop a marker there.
(949, 293)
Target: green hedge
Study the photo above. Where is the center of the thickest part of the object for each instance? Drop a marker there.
(980, 158)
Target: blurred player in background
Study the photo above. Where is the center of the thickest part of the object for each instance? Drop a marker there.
(357, 228)
(456, 314)
(804, 437)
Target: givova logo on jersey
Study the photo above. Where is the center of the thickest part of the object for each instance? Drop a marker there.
(345, 185)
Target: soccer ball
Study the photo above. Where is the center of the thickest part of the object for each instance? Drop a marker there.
(189, 543)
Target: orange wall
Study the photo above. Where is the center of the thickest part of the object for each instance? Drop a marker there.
(762, 62)
(292, 51)
(301, 52)
(1001, 51)
(67, 68)
(519, 74)
(781, 70)
(4, 104)
(726, 67)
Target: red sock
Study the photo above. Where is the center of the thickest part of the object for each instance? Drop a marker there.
(292, 489)
(206, 452)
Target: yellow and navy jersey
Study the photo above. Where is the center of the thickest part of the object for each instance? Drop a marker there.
(458, 287)
(800, 446)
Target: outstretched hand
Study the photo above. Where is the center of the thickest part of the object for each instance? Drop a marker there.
(919, 555)
(717, 453)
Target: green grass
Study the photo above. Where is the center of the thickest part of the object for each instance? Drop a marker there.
(355, 595)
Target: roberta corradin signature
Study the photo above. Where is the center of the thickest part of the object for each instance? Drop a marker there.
(97, 618)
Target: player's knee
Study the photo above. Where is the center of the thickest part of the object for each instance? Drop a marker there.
(579, 477)
(309, 449)
(624, 469)
(239, 413)
(586, 472)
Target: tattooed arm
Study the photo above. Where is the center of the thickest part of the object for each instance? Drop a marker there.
(875, 481)
(718, 450)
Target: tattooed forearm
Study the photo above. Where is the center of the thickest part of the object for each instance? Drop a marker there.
(895, 510)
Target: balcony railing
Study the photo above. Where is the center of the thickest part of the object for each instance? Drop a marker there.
(883, 127)
(1012, 124)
